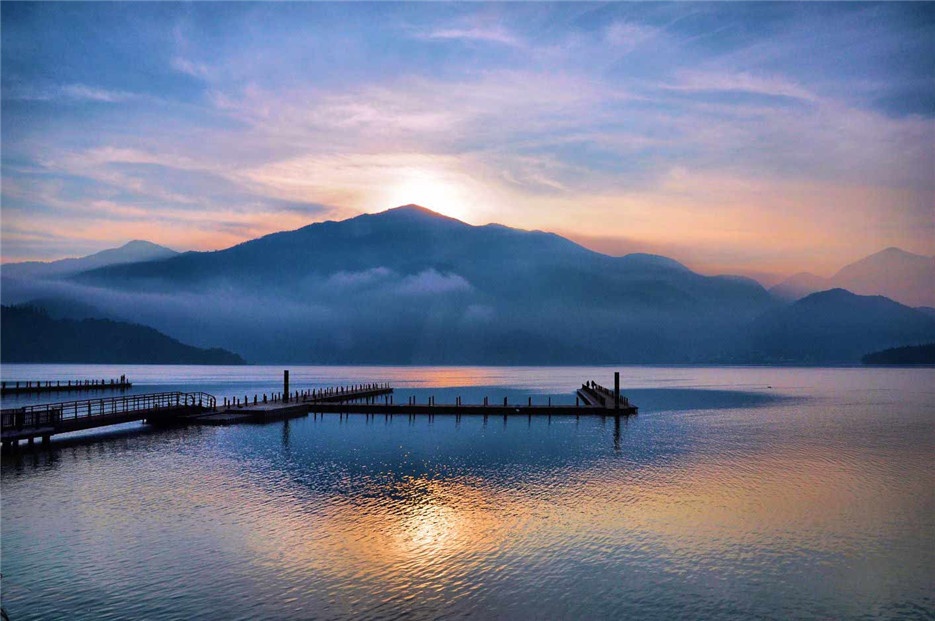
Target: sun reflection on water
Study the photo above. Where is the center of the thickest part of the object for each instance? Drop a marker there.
(769, 510)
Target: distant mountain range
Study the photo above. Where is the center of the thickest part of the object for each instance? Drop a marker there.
(30, 335)
(835, 326)
(412, 286)
(902, 276)
(131, 252)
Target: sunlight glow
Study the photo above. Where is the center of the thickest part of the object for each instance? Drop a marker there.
(438, 192)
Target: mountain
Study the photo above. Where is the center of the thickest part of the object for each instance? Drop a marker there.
(919, 354)
(897, 274)
(902, 276)
(132, 252)
(30, 335)
(835, 326)
(64, 308)
(799, 285)
(409, 285)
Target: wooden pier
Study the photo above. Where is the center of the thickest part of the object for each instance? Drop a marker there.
(43, 421)
(267, 408)
(592, 399)
(30, 387)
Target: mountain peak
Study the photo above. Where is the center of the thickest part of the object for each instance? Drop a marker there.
(142, 244)
(412, 208)
(893, 252)
(136, 251)
(414, 213)
(903, 276)
(837, 293)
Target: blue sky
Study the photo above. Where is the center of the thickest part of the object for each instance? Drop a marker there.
(743, 137)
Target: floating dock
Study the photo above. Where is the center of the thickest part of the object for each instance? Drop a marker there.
(30, 387)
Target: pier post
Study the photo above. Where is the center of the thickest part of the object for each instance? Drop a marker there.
(616, 390)
(285, 386)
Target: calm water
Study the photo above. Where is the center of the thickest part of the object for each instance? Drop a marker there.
(736, 493)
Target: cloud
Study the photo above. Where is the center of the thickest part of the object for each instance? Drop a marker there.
(626, 36)
(496, 34)
(772, 85)
(360, 280)
(431, 282)
(624, 118)
(66, 92)
(193, 69)
(90, 93)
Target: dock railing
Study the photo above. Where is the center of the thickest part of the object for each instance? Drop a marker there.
(51, 414)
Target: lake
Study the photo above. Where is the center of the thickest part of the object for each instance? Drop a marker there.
(768, 493)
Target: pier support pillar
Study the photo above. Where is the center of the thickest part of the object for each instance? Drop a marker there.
(285, 385)
(616, 390)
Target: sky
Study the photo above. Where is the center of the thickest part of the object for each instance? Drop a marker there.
(754, 138)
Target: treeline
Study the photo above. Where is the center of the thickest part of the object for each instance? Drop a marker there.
(914, 354)
(28, 334)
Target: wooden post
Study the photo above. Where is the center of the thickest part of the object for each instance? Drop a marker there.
(285, 386)
(616, 390)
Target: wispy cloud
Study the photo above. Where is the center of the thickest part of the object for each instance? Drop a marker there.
(626, 36)
(682, 126)
(740, 82)
(67, 92)
(188, 67)
(495, 34)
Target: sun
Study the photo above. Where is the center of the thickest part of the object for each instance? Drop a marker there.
(434, 192)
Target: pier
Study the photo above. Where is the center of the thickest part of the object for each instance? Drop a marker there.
(30, 387)
(591, 399)
(174, 408)
(45, 420)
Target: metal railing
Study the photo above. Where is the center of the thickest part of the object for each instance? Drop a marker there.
(51, 414)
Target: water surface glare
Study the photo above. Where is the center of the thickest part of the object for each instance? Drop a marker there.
(768, 493)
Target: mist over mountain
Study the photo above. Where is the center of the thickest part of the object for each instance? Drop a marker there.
(897, 274)
(800, 285)
(412, 286)
(835, 326)
(131, 252)
(902, 276)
